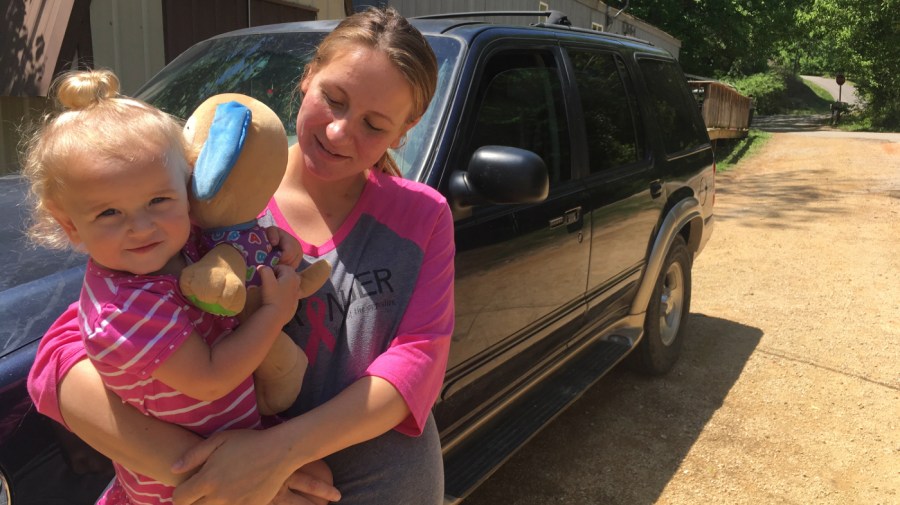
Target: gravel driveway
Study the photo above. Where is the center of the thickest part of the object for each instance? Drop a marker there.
(788, 391)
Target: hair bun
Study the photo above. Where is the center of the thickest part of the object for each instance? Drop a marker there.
(82, 89)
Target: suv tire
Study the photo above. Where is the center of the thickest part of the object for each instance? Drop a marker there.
(667, 314)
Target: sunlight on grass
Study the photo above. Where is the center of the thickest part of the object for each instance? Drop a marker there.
(819, 91)
(730, 152)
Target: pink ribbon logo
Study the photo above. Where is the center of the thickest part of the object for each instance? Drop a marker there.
(315, 313)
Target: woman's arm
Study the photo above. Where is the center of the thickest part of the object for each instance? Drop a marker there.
(368, 408)
(141, 443)
(66, 387)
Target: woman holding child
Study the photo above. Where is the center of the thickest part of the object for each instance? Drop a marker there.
(377, 335)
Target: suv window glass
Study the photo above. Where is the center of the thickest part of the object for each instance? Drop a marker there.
(267, 67)
(679, 123)
(520, 104)
(606, 101)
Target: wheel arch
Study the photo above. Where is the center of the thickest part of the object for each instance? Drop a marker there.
(685, 218)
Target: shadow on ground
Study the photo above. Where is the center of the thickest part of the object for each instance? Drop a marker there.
(796, 201)
(786, 123)
(622, 442)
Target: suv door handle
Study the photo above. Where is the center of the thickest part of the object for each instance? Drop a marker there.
(656, 188)
(570, 217)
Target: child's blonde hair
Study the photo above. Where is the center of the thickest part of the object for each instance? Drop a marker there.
(91, 120)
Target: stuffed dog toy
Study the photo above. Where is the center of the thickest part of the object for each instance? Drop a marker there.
(239, 150)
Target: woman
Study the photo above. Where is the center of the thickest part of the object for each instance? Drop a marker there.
(377, 336)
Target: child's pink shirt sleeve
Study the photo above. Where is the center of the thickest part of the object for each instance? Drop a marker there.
(416, 360)
(59, 350)
(139, 329)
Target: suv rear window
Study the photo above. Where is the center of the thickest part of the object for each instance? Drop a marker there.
(680, 124)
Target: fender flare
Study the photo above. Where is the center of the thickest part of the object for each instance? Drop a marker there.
(680, 215)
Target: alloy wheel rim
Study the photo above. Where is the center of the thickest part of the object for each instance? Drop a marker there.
(671, 304)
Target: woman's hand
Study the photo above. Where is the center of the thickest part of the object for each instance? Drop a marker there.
(310, 485)
(226, 478)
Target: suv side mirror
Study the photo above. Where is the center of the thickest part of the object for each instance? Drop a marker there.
(500, 174)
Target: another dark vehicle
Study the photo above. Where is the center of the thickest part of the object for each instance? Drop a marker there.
(582, 182)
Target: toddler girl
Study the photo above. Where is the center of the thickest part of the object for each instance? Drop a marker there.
(109, 177)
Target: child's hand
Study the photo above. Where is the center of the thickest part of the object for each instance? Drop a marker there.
(291, 251)
(280, 291)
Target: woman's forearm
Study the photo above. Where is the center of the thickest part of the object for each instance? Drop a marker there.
(141, 443)
(366, 409)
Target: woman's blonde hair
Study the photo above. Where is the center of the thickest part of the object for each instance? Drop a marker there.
(90, 120)
(386, 30)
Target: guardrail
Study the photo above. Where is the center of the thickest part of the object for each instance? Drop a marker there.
(726, 112)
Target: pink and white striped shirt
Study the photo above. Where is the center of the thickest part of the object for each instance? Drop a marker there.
(131, 324)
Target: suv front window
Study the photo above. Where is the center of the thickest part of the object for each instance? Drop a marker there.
(267, 67)
(521, 105)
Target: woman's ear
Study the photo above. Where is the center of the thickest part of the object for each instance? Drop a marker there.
(401, 139)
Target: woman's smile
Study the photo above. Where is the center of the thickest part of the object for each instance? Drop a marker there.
(330, 151)
(354, 108)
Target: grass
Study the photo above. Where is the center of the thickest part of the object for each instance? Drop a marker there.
(819, 91)
(851, 120)
(803, 97)
(731, 151)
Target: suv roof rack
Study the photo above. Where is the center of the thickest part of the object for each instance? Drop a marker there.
(553, 17)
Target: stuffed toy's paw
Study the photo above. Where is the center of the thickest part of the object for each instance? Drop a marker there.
(314, 277)
(214, 283)
(279, 378)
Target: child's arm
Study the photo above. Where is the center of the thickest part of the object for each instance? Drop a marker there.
(209, 372)
(291, 250)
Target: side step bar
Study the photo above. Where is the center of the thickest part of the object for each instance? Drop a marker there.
(474, 460)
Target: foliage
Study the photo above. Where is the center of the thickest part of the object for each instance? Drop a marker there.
(722, 37)
(819, 91)
(736, 38)
(860, 39)
(766, 88)
(778, 91)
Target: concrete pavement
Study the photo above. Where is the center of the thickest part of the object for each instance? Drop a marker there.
(847, 91)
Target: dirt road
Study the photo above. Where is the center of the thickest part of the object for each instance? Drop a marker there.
(788, 391)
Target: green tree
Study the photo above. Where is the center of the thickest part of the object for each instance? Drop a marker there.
(862, 40)
(722, 37)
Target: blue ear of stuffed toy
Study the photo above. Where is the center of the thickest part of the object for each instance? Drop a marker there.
(221, 150)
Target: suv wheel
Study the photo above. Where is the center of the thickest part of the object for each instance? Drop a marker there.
(667, 314)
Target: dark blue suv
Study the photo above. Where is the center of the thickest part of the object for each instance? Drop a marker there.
(582, 183)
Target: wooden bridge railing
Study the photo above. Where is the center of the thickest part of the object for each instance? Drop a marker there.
(725, 111)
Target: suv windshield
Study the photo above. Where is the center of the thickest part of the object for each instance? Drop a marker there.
(267, 67)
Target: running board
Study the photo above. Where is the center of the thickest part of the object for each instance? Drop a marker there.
(472, 461)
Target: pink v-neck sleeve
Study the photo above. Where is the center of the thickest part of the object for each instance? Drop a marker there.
(59, 350)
